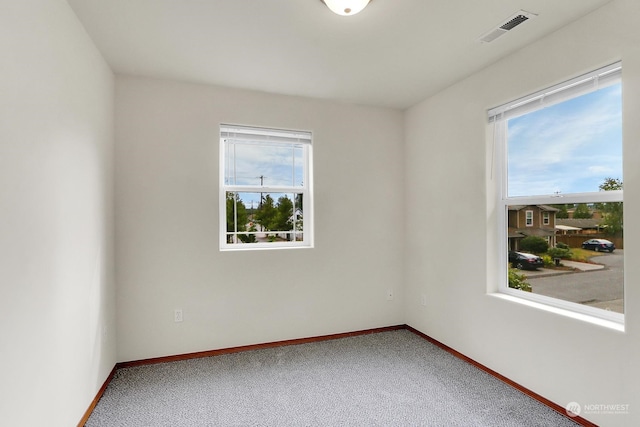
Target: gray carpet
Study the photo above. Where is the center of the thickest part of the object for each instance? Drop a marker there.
(384, 379)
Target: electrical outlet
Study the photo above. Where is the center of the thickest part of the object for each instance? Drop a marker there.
(423, 300)
(389, 294)
(177, 315)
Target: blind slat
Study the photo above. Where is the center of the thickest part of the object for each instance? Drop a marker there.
(582, 85)
(248, 134)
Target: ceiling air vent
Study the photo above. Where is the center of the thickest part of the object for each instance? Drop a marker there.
(509, 24)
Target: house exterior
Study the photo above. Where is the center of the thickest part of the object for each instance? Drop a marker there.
(531, 220)
(579, 225)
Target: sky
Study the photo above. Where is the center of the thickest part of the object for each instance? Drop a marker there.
(570, 147)
(267, 164)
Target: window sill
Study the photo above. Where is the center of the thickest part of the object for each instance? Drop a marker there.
(609, 324)
(271, 247)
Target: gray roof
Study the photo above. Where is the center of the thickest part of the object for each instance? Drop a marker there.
(541, 207)
(519, 233)
(532, 231)
(579, 222)
(513, 233)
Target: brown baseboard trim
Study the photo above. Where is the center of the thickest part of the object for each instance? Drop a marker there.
(581, 421)
(93, 404)
(209, 353)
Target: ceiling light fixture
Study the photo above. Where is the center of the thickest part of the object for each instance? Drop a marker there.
(346, 7)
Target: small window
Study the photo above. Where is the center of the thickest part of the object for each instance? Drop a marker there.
(559, 153)
(265, 192)
(529, 218)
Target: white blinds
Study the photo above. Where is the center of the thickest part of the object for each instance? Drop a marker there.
(249, 134)
(590, 82)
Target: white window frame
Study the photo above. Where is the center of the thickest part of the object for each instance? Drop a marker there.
(546, 218)
(267, 135)
(498, 118)
(528, 218)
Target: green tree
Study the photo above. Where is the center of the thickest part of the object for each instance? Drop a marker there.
(236, 212)
(563, 212)
(611, 184)
(611, 211)
(559, 252)
(582, 211)
(282, 220)
(299, 201)
(266, 213)
(249, 238)
(534, 244)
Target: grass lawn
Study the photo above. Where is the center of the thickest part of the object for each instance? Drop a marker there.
(583, 255)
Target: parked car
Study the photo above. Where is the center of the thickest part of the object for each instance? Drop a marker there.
(525, 261)
(599, 245)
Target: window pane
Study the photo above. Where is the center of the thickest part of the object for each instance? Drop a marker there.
(566, 148)
(264, 164)
(576, 257)
(264, 217)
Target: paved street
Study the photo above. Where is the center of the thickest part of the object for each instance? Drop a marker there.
(601, 288)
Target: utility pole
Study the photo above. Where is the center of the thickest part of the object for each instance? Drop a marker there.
(262, 177)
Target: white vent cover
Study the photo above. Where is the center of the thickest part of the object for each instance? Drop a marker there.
(507, 25)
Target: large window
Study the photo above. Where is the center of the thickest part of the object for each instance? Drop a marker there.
(265, 188)
(559, 159)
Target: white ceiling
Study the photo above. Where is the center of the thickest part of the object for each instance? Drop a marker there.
(395, 53)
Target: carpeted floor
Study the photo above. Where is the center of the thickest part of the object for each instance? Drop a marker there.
(384, 379)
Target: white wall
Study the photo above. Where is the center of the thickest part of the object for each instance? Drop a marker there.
(167, 256)
(447, 172)
(57, 301)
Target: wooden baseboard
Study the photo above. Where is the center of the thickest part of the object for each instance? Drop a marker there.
(229, 350)
(531, 394)
(93, 404)
(581, 421)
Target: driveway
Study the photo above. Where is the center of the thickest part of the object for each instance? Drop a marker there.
(601, 288)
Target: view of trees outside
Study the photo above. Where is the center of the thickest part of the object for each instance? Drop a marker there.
(278, 217)
(612, 211)
(563, 212)
(582, 211)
